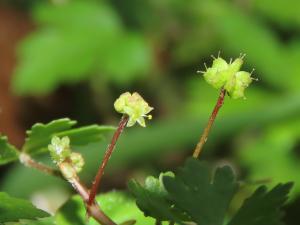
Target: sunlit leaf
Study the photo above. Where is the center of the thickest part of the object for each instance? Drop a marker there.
(278, 141)
(117, 205)
(40, 134)
(8, 152)
(14, 209)
(73, 42)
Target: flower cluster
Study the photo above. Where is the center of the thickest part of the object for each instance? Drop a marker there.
(134, 106)
(69, 162)
(228, 76)
(59, 149)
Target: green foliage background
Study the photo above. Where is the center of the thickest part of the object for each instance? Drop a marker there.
(98, 49)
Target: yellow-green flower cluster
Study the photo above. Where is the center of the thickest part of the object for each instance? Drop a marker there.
(59, 149)
(228, 76)
(69, 162)
(134, 106)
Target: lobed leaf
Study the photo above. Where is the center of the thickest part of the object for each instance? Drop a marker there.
(75, 40)
(40, 134)
(281, 138)
(8, 152)
(263, 207)
(153, 200)
(204, 198)
(14, 209)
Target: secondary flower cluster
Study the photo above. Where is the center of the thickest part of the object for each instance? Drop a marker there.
(228, 76)
(69, 162)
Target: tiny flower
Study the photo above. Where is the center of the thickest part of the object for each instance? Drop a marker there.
(228, 76)
(134, 106)
(59, 149)
(77, 161)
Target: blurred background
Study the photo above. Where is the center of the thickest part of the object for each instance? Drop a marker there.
(68, 58)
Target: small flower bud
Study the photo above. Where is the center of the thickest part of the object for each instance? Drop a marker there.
(59, 149)
(134, 106)
(229, 76)
(238, 84)
(77, 161)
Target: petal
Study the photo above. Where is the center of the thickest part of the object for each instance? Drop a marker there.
(65, 141)
(148, 109)
(129, 111)
(131, 122)
(55, 140)
(220, 64)
(141, 121)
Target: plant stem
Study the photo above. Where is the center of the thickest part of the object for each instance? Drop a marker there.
(26, 160)
(93, 209)
(211, 120)
(108, 153)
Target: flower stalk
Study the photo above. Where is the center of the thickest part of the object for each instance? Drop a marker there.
(134, 109)
(211, 120)
(231, 80)
(108, 153)
(69, 164)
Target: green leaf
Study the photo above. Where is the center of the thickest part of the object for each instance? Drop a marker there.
(40, 134)
(74, 41)
(203, 198)
(153, 200)
(8, 152)
(14, 209)
(127, 56)
(42, 221)
(280, 140)
(117, 205)
(263, 207)
(289, 17)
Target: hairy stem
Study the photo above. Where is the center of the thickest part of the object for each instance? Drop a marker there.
(108, 153)
(93, 209)
(26, 160)
(211, 120)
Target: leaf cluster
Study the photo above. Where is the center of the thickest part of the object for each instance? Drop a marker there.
(39, 136)
(204, 199)
(14, 209)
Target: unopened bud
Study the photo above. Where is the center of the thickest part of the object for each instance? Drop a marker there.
(77, 161)
(59, 149)
(228, 76)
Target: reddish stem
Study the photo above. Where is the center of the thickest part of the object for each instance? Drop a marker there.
(211, 120)
(108, 153)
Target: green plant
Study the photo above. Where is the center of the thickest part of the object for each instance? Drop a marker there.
(193, 195)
